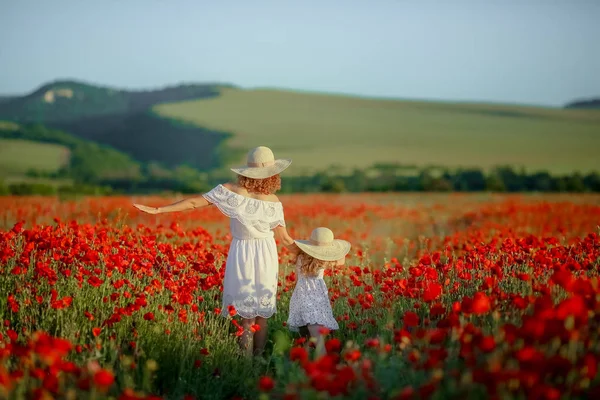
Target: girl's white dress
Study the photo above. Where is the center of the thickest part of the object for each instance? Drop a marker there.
(252, 266)
(310, 304)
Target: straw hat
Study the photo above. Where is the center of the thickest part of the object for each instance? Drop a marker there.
(323, 246)
(262, 164)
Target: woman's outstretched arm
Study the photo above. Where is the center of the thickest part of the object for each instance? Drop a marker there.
(183, 205)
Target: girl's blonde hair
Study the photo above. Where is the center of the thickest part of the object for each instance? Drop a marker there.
(310, 266)
(268, 185)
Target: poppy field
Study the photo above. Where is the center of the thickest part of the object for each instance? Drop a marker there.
(442, 296)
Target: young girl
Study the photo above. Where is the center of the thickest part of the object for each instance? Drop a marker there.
(256, 216)
(310, 307)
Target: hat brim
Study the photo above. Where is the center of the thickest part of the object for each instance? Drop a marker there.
(263, 172)
(334, 252)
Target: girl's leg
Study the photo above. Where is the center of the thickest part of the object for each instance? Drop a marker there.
(304, 332)
(246, 339)
(260, 337)
(315, 332)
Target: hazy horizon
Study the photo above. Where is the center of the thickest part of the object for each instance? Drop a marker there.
(529, 52)
(295, 90)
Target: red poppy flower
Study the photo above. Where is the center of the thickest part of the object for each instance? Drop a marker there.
(481, 303)
(333, 345)
(231, 310)
(352, 355)
(149, 316)
(410, 319)
(13, 336)
(432, 292)
(298, 354)
(266, 384)
(323, 331)
(103, 379)
(487, 344)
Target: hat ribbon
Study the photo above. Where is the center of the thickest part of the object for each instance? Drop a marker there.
(261, 164)
(318, 243)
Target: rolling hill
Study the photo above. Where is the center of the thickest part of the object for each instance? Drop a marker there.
(211, 126)
(122, 120)
(588, 103)
(37, 159)
(318, 131)
(19, 157)
(33, 150)
(65, 101)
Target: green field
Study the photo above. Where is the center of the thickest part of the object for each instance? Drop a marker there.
(17, 157)
(318, 130)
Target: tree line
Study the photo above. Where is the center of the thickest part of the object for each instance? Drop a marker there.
(97, 169)
(377, 179)
(500, 179)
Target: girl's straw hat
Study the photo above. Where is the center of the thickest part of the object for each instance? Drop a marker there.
(262, 164)
(323, 246)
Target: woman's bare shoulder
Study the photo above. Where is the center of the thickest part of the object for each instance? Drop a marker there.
(243, 192)
(231, 186)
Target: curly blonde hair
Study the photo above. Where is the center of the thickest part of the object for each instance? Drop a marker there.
(310, 266)
(268, 185)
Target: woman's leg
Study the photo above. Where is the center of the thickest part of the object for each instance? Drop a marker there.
(246, 339)
(260, 337)
(315, 332)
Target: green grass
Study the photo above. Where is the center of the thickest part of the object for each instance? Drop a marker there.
(8, 126)
(318, 130)
(19, 156)
(54, 182)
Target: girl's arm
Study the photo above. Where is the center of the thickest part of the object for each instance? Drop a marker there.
(282, 235)
(187, 204)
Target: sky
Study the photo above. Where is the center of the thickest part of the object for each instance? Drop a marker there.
(542, 52)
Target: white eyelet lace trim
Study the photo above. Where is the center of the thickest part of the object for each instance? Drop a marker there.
(250, 212)
(251, 306)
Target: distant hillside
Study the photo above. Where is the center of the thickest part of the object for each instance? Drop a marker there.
(318, 131)
(37, 150)
(19, 158)
(122, 120)
(149, 138)
(36, 159)
(210, 126)
(64, 101)
(21, 155)
(590, 103)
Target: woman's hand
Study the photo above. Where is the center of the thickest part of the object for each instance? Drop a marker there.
(146, 209)
(282, 234)
(293, 248)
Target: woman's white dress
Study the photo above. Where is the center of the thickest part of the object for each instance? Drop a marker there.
(310, 304)
(252, 266)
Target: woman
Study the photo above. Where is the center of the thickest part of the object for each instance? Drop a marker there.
(256, 217)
